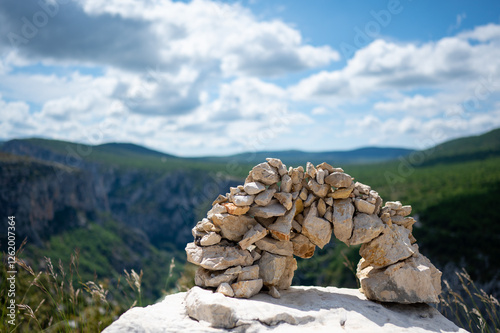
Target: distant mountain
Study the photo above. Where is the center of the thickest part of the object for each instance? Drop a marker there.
(131, 155)
(297, 157)
(465, 149)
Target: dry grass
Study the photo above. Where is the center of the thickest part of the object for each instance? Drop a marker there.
(62, 302)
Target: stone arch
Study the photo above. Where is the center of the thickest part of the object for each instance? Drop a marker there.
(249, 238)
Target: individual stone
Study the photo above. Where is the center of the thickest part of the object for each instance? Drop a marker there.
(254, 188)
(386, 218)
(286, 184)
(206, 278)
(217, 257)
(310, 170)
(303, 194)
(283, 225)
(251, 236)
(271, 268)
(320, 176)
(296, 226)
(303, 247)
(321, 207)
(225, 289)
(310, 199)
(395, 205)
(271, 210)
(317, 229)
(414, 280)
(249, 273)
(391, 246)
(205, 225)
(283, 248)
(406, 222)
(362, 188)
(274, 292)
(285, 199)
(216, 209)
(265, 173)
(232, 209)
(404, 211)
(325, 166)
(378, 204)
(276, 162)
(220, 199)
(247, 289)
(342, 193)
(299, 204)
(233, 227)
(338, 179)
(243, 200)
(343, 211)
(364, 206)
(319, 190)
(286, 278)
(263, 198)
(329, 214)
(210, 239)
(366, 228)
(329, 201)
(265, 221)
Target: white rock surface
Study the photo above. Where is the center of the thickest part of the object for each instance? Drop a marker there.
(299, 310)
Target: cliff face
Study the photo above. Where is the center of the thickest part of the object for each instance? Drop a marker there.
(51, 192)
(45, 198)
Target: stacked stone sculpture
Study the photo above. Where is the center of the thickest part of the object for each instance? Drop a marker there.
(249, 237)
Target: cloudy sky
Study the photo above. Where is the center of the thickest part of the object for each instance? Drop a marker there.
(219, 77)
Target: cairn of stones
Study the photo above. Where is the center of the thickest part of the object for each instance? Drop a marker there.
(249, 238)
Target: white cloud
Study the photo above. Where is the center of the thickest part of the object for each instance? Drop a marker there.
(383, 66)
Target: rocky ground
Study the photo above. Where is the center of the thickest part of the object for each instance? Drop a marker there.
(300, 309)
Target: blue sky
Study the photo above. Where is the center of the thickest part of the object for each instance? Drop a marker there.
(213, 78)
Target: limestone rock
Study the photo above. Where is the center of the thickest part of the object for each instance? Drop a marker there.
(233, 227)
(310, 170)
(286, 184)
(235, 210)
(362, 188)
(284, 248)
(247, 289)
(343, 211)
(271, 268)
(342, 193)
(276, 162)
(243, 200)
(251, 236)
(249, 273)
(210, 239)
(319, 190)
(263, 198)
(225, 289)
(283, 225)
(317, 229)
(363, 206)
(391, 246)
(268, 211)
(406, 222)
(366, 228)
(273, 291)
(217, 257)
(414, 280)
(254, 188)
(285, 199)
(321, 207)
(286, 278)
(310, 199)
(216, 209)
(303, 247)
(394, 205)
(325, 166)
(265, 174)
(299, 310)
(320, 176)
(404, 211)
(338, 179)
(205, 278)
(220, 199)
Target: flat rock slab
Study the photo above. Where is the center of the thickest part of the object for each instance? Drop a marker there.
(300, 309)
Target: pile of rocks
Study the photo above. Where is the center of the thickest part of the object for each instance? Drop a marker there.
(249, 237)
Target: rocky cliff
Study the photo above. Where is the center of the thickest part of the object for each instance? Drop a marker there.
(51, 191)
(300, 309)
